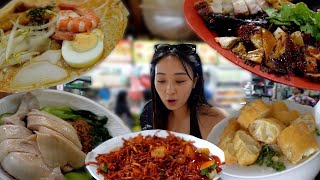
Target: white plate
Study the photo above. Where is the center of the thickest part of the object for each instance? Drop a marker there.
(47, 97)
(307, 169)
(117, 142)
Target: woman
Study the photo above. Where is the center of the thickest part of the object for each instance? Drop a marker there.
(177, 88)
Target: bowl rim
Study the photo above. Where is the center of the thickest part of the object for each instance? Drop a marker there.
(112, 117)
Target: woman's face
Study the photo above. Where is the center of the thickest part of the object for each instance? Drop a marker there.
(172, 82)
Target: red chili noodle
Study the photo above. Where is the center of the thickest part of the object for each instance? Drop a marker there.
(152, 157)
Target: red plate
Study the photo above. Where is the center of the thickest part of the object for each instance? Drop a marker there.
(197, 24)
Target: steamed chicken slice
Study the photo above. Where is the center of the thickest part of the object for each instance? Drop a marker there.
(14, 132)
(217, 6)
(28, 102)
(27, 166)
(227, 7)
(240, 7)
(57, 150)
(253, 7)
(262, 4)
(51, 117)
(17, 145)
(38, 119)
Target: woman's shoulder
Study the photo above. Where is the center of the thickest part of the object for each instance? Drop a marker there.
(213, 111)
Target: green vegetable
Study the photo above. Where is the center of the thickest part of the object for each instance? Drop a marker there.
(4, 115)
(317, 132)
(208, 169)
(98, 131)
(270, 158)
(77, 175)
(37, 15)
(62, 112)
(103, 167)
(296, 14)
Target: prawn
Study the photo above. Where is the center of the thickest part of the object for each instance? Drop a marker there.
(76, 19)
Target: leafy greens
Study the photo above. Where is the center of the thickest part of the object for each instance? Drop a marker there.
(270, 158)
(296, 14)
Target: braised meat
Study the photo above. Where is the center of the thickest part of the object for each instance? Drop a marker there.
(286, 57)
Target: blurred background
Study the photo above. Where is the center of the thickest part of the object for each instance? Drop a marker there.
(121, 82)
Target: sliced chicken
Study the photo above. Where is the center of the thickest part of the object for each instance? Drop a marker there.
(262, 4)
(240, 7)
(17, 145)
(51, 117)
(227, 7)
(227, 42)
(28, 102)
(217, 6)
(38, 119)
(253, 7)
(14, 132)
(57, 150)
(27, 166)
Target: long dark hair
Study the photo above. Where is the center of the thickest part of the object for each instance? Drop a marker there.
(196, 98)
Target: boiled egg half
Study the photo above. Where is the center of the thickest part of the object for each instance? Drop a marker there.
(85, 50)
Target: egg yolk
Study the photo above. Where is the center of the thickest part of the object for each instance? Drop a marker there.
(84, 42)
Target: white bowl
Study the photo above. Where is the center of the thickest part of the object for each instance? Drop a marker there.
(305, 170)
(117, 142)
(166, 19)
(47, 97)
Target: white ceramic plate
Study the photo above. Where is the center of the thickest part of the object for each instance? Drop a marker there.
(307, 169)
(117, 142)
(46, 97)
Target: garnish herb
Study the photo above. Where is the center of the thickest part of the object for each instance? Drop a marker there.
(270, 158)
(296, 14)
(103, 167)
(38, 15)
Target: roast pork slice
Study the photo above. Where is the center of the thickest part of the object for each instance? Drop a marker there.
(227, 7)
(253, 7)
(28, 102)
(38, 119)
(262, 4)
(27, 166)
(216, 6)
(56, 150)
(14, 132)
(17, 145)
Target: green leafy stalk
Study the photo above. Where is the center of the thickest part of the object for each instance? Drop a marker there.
(298, 14)
(37, 15)
(269, 157)
(62, 112)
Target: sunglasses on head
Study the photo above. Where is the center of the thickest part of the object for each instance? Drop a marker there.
(183, 48)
